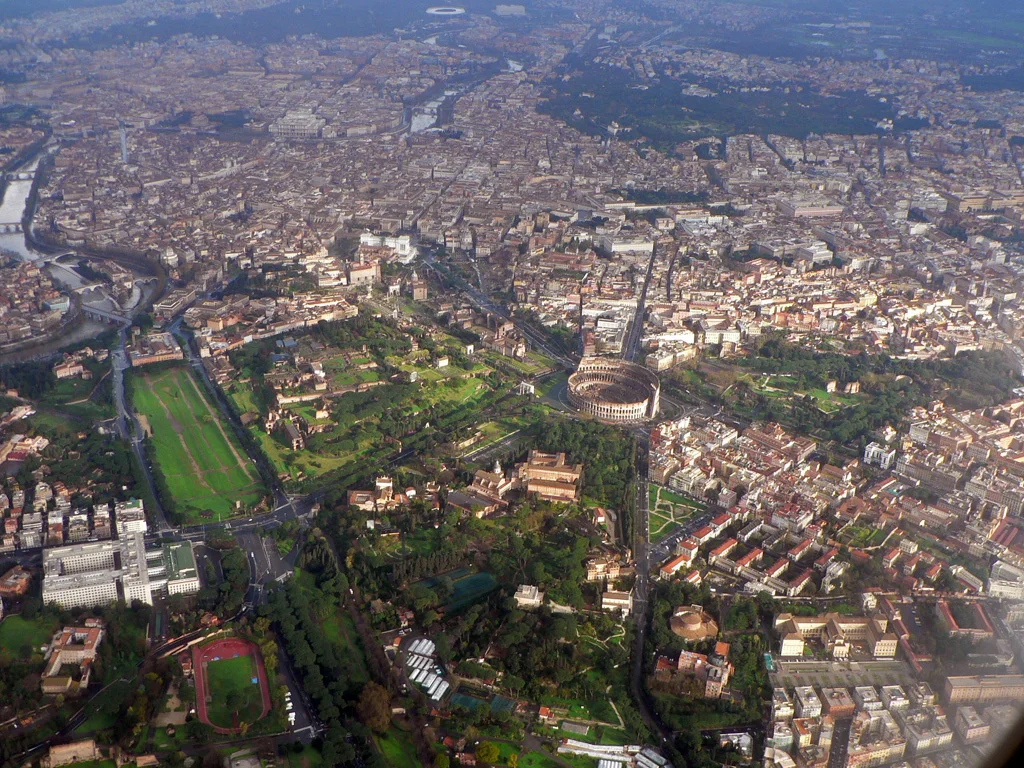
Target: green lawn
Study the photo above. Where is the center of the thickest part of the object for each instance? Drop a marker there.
(341, 630)
(206, 470)
(615, 736)
(229, 676)
(105, 707)
(94, 764)
(827, 401)
(71, 395)
(397, 748)
(21, 638)
(162, 742)
(505, 751)
(241, 395)
(307, 758)
(291, 463)
(864, 536)
(779, 386)
(422, 541)
(350, 439)
(676, 498)
(668, 509)
(661, 525)
(537, 760)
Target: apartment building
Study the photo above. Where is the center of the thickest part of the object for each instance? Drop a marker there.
(973, 688)
(970, 727)
(925, 729)
(807, 702)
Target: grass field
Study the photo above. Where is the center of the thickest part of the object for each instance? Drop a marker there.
(537, 760)
(229, 676)
(21, 638)
(863, 536)
(361, 429)
(660, 526)
(397, 748)
(781, 386)
(206, 470)
(341, 630)
(422, 541)
(105, 707)
(667, 510)
(678, 499)
(505, 751)
(307, 758)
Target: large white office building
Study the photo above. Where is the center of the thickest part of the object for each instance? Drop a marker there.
(97, 573)
(173, 568)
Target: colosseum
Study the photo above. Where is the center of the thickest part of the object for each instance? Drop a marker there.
(614, 390)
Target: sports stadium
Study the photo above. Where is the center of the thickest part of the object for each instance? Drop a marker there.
(614, 390)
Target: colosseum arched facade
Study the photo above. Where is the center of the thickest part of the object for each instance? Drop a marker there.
(614, 390)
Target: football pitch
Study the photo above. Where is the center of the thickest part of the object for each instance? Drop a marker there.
(233, 680)
(206, 470)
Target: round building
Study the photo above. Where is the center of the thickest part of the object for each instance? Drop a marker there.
(614, 390)
(692, 623)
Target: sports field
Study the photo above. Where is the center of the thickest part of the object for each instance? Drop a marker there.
(231, 684)
(206, 470)
(235, 689)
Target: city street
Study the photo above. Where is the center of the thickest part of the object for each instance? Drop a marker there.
(631, 346)
(840, 743)
(641, 592)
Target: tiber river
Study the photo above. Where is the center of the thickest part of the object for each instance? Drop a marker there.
(11, 211)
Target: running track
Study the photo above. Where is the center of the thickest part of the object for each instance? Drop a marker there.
(226, 649)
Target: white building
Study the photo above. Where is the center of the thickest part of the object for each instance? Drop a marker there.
(130, 517)
(894, 697)
(403, 245)
(925, 729)
(867, 698)
(876, 454)
(97, 573)
(298, 124)
(782, 705)
(182, 574)
(807, 702)
(617, 601)
(1006, 581)
(173, 568)
(626, 243)
(529, 596)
